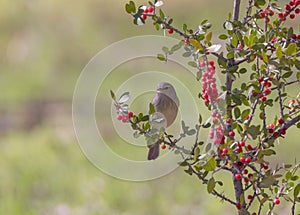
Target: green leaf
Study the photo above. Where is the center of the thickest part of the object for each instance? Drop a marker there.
(211, 184)
(132, 6)
(193, 64)
(265, 57)
(223, 37)
(279, 52)
(244, 211)
(211, 165)
(287, 74)
(186, 54)
(151, 108)
(208, 37)
(112, 94)
(268, 182)
(291, 49)
(237, 112)
(288, 175)
(200, 119)
(268, 152)
(161, 57)
(165, 49)
(191, 132)
(245, 113)
(128, 8)
(253, 131)
(161, 14)
(243, 70)
(297, 191)
(196, 44)
(234, 40)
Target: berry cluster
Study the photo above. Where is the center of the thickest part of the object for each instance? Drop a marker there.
(290, 8)
(266, 83)
(209, 86)
(124, 117)
(147, 10)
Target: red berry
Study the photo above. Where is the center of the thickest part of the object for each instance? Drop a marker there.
(150, 9)
(238, 206)
(267, 91)
(287, 7)
(170, 31)
(292, 16)
(249, 147)
(246, 180)
(250, 175)
(231, 134)
(271, 12)
(281, 121)
(263, 98)
(294, 36)
(271, 130)
(248, 160)
(186, 42)
(280, 15)
(239, 149)
(240, 46)
(283, 131)
(265, 166)
(276, 201)
(242, 160)
(242, 143)
(285, 14)
(297, 10)
(225, 151)
(119, 117)
(125, 119)
(250, 197)
(163, 146)
(237, 176)
(262, 14)
(146, 10)
(228, 120)
(245, 171)
(292, 3)
(130, 114)
(144, 16)
(254, 213)
(254, 94)
(276, 134)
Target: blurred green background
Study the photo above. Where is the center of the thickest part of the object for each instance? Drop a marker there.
(44, 45)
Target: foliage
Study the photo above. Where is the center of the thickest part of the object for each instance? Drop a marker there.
(260, 41)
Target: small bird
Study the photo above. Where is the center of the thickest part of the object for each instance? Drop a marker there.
(165, 103)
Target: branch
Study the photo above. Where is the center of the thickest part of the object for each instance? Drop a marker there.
(236, 9)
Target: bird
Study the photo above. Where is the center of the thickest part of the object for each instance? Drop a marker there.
(166, 104)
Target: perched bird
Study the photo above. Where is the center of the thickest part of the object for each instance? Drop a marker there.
(165, 103)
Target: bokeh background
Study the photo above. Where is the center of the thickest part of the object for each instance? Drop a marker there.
(44, 45)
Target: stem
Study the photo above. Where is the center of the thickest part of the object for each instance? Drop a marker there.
(236, 9)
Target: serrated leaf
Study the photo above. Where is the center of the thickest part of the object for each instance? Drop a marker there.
(211, 184)
(291, 49)
(124, 98)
